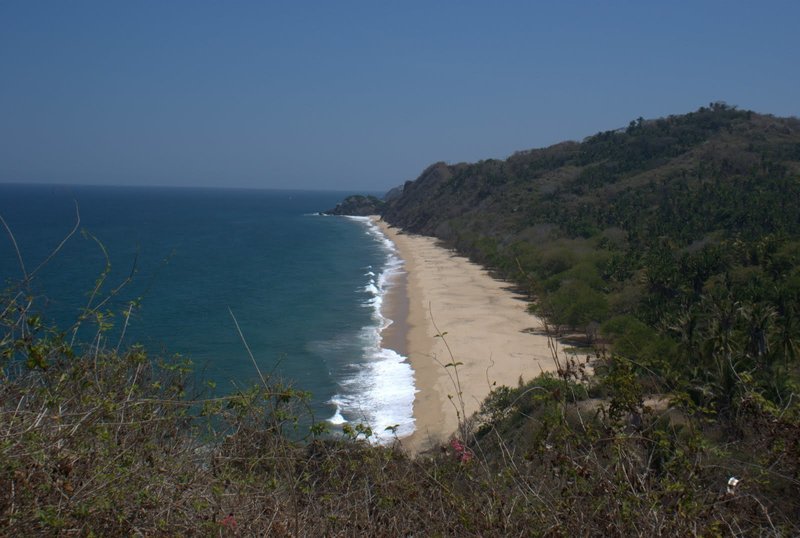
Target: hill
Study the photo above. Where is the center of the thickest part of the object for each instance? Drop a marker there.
(357, 205)
(672, 246)
(642, 205)
(683, 176)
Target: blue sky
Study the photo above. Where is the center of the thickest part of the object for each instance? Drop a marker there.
(359, 95)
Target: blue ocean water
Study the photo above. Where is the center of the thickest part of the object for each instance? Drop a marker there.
(306, 290)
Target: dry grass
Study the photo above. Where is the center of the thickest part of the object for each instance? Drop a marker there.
(100, 443)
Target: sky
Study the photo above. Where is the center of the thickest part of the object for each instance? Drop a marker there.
(360, 95)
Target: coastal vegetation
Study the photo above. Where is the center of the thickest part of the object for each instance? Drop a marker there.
(99, 442)
(672, 247)
(669, 249)
(358, 205)
(676, 240)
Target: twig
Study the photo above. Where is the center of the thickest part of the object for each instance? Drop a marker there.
(16, 248)
(61, 244)
(250, 353)
(124, 326)
(461, 414)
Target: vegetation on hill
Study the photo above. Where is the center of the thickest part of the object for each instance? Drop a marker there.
(672, 245)
(676, 239)
(357, 205)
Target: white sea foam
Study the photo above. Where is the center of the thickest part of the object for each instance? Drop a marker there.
(380, 390)
(337, 418)
(371, 288)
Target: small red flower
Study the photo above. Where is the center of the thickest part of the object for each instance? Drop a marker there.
(229, 522)
(463, 453)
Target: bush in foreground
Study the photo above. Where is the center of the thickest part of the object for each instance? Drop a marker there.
(100, 442)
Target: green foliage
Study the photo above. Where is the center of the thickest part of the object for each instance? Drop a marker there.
(680, 238)
(575, 304)
(640, 343)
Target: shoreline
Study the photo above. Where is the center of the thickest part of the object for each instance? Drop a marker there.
(491, 336)
(395, 308)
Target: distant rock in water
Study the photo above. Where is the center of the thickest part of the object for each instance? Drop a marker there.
(357, 205)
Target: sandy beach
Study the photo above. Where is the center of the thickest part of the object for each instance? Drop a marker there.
(487, 329)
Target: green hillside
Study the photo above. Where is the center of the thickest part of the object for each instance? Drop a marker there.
(682, 176)
(672, 249)
(669, 238)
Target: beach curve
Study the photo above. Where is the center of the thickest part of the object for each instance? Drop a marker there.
(490, 335)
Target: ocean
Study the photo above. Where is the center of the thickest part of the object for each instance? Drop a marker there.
(306, 289)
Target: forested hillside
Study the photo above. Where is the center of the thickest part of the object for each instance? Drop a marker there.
(673, 247)
(674, 238)
(682, 177)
